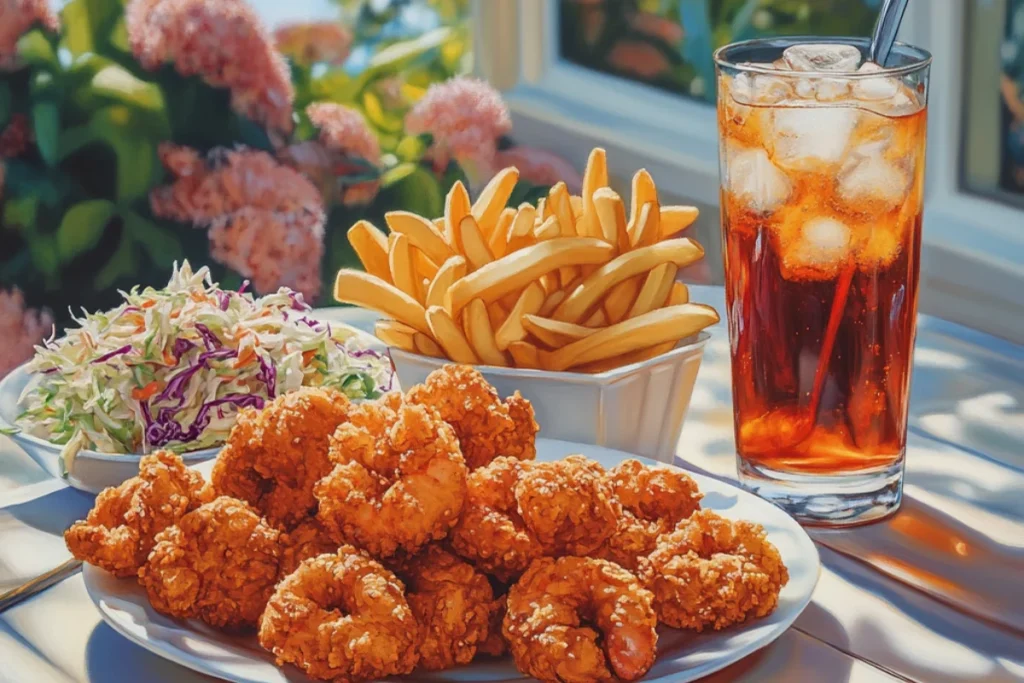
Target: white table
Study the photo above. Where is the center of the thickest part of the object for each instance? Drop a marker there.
(932, 594)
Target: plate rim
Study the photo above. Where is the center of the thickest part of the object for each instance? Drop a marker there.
(763, 640)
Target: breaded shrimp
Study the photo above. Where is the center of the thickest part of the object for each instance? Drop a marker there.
(274, 456)
(654, 500)
(713, 572)
(120, 529)
(580, 619)
(219, 564)
(453, 604)
(341, 617)
(486, 426)
(399, 480)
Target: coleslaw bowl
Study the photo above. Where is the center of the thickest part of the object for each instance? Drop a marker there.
(90, 471)
(638, 408)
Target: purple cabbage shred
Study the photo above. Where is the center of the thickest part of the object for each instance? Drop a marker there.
(181, 347)
(116, 352)
(211, 340)
(268, 375)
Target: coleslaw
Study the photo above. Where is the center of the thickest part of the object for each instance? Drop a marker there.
(170, 368)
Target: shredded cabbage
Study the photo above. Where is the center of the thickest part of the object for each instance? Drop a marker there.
(170, 368)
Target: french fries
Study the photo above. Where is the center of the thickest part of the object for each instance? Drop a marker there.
(576, 282)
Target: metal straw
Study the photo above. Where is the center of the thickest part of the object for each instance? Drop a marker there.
(886, 28)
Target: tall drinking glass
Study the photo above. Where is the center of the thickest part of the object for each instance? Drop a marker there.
(822, 180)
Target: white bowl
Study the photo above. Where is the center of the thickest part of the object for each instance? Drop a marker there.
(90, 470)
(638, 408)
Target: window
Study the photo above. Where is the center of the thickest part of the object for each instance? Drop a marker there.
(668, 43)
(993, 159)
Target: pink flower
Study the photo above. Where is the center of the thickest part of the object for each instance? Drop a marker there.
(539, 166)
(16, 18)
(343, 129)
(638, 58)
(465, 116)
(271, 249)
(320, 41)
(222, 42)
(266, 220)
(15, 136)
(20, 328)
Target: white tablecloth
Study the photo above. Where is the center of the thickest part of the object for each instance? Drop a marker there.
(932, 594)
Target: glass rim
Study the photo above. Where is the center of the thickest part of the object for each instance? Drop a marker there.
(922, 59)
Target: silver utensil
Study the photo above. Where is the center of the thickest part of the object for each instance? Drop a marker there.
(39, 584)
(886, 28)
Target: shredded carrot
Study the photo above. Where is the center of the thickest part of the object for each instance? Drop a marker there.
(145, 393)
(169, 358)
(247, 356)
(198, 297)
(308, 356)
(149, 303)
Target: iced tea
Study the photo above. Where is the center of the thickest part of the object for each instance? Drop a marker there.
(822, 162)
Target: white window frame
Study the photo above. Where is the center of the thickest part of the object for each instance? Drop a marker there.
(973, 261)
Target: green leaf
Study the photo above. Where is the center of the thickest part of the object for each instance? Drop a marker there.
(122, 263)
(73, 139)
(82, 227)
(136, 155)
(20, 212)
(46, 126)
(397, 174)
(88, 24)
(418, 192)
(117, 83)
(387, 121)
(411, 148)
(395, 57)
(162, 245)
(44, 255)
(34, 48)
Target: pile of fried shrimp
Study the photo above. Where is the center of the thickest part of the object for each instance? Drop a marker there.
(417, 531)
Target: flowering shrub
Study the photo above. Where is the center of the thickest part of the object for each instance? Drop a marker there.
(134, 133)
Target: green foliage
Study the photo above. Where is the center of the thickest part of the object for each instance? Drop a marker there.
(75, 220)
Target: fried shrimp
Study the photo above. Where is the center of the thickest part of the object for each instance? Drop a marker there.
(453, 604)
(580, 619)
(307, 540)
(568, 505)
(341, 617)
(654, 500)
(274, 457)
(399, 480)
(713, 572)
(219, 564)
(486, 426)
(491, 533)
(120, 529)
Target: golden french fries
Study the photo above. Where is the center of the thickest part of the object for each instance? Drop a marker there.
(576, 282)
(421, 233)
(371, 246)
(449, 336)
(518, 269)
(681, 251)
(363, 289)
(656, 327)
(481, 335)
(493, 198)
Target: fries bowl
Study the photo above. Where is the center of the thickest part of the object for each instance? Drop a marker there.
(638, 408)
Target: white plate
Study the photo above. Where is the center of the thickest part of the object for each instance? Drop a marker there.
(682, 655)
(93, 471)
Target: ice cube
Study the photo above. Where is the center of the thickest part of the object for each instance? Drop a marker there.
(831, 89)
(807, 136)
(823, 57)
(868, 181)
(819, 249)
(755, 181)
(874, 89)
